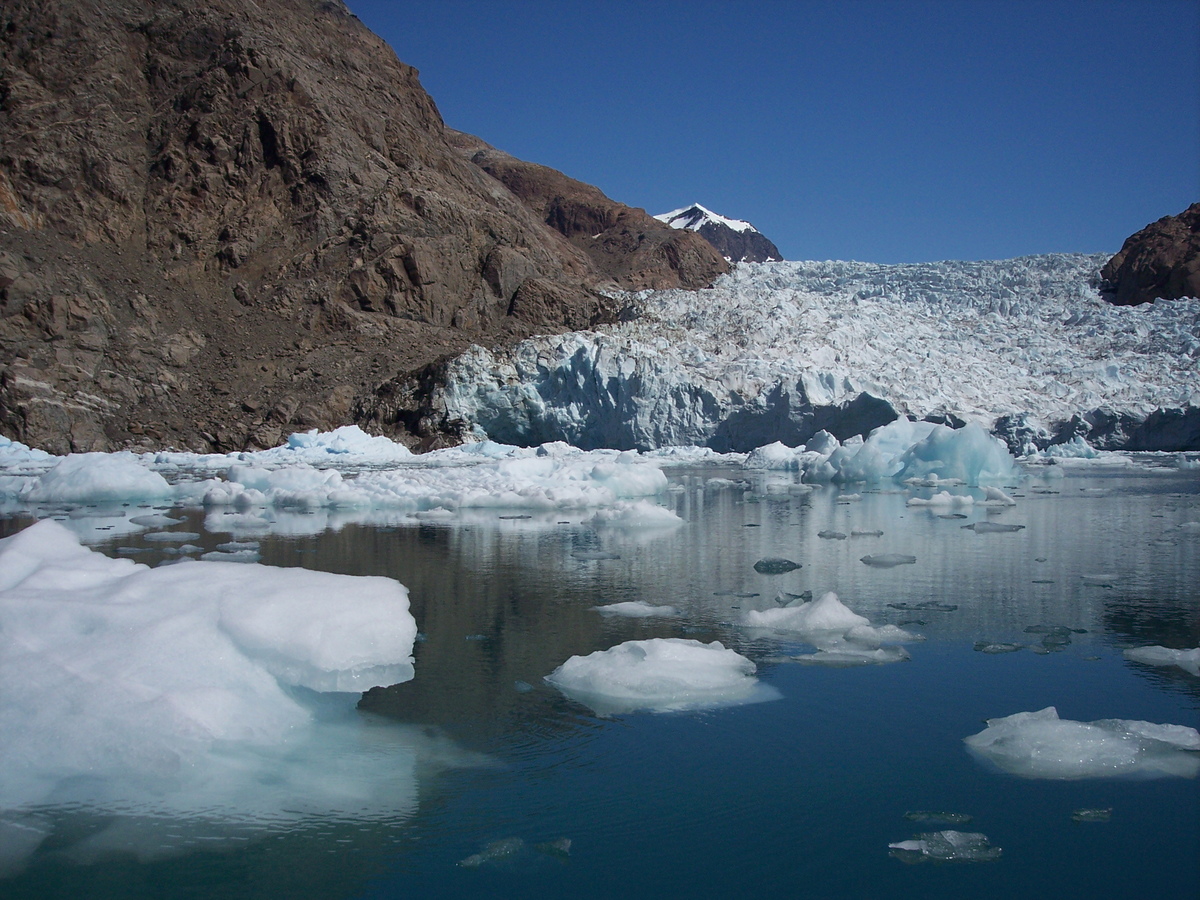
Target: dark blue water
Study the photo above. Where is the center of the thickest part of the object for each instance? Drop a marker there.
(799, 796)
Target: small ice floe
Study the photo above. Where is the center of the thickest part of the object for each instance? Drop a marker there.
(992, 528)
(235, 556)
(993, 496)
(775, 565)
(841, 636)
(1100, 579)
(637, 609)
(996, 647)
(168, 537)
(946, 846)
(154, 520)
(1041, 745)
(494, 852)
(888, 560)
(786, 598)
(876, 533)
(1190, 527)
(1188, 660)
(660, 675)
(830, 535)
(943, 498)
(937, 817)
(1092, 815)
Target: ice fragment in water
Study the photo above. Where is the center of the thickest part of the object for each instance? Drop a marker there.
(636, 609)
(659, 675)
(1188, 660)
(993, 528)
(888, 560)
(832, 535)
(775, 565)
(926, 604)
(1092, 815)
(170, 536)
(560, 848)
(996, 647)
(496, 850)
(594, 554)
(946, 846)
(866, 534)
(1041, 745)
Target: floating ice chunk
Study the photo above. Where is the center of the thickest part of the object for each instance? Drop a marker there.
(993, 496)
(968, 453)
(154, 520)
(1190, 527)
(658, 675)
(349, 440)
(1092, 815)
(775, 565)
(97, 478)
(120, 680)
(996, 647)
(875, 533)
(946, 818)
(942, 498)
(888, 560)
(594, 554)
(1076, 448)
(828, 614)
(236, 556)
(992, 528)
(168, 537)
(776, 456)
(831, 535)
(637, 609)
(846, 654)
(634, 514)
(1041, 745)
(494, 852)
(946, 846)
(1188, 660)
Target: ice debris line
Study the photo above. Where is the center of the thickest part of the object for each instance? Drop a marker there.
(779, 351)
(660, 675)
(1041, 745)
(176, 685)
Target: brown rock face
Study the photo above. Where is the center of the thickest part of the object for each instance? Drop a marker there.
(222, 222)
(1160, 262)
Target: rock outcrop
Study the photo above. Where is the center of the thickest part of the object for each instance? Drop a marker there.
(222, 222)
(1160, 262)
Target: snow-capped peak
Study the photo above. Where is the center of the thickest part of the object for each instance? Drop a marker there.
(694, 217)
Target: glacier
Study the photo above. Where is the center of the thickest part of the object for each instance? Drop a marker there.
(1027, 348)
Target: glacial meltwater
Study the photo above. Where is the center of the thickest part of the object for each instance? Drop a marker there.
(836, 744)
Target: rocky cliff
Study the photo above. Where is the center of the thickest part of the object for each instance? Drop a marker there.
(1160, 262)
(226, 221)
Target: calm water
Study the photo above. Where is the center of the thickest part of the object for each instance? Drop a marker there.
(799, 796)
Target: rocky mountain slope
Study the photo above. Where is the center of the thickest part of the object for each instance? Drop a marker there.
(1160, 262)
(735, 239)
(223, 222)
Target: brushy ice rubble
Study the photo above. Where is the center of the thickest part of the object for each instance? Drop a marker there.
(842, 637)
(778, 350)
(1188, 660)
(181, 688)
(1041, 745)
(659, 675)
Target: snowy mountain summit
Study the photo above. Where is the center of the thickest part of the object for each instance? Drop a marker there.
(737, 240)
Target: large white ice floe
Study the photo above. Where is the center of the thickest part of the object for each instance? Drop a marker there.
(1041, 745)
(1188, 660)
(659, 675)
(841, 636)
(779, 351)
(183, 688)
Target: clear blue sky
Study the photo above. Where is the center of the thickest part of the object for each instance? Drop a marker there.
(877, 130)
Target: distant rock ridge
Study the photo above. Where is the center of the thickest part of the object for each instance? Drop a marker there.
(1160, 262)
(735, 239)
(226, 221)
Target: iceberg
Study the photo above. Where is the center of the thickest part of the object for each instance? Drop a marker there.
(659, 675)
(1041, 745)
(842, 637)
(188, 688)
(637, 609)
(946, 846)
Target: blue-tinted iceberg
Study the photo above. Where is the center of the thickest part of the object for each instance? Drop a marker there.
(1188, 660)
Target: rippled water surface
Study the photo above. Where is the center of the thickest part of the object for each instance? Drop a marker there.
(499, 786)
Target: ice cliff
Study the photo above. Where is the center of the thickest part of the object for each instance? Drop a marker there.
(779, 351)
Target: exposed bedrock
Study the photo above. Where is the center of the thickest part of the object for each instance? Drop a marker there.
(1160, 262)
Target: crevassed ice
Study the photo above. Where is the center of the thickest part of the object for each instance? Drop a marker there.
(981, 340)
